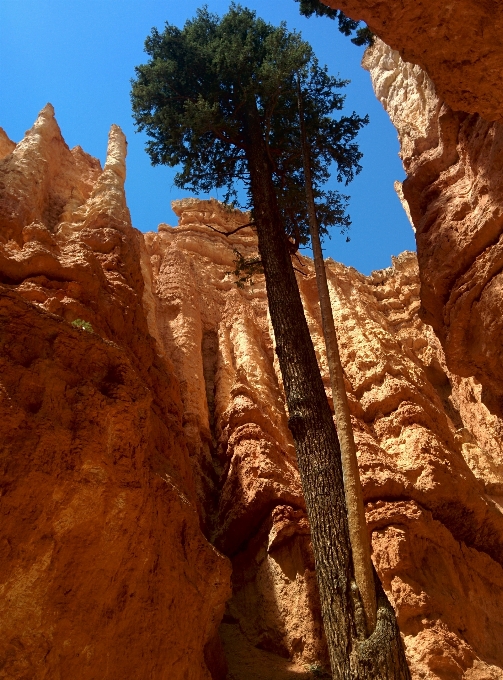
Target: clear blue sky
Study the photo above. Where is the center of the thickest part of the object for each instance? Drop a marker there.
(80, 56)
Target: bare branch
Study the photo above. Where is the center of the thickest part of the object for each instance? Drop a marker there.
(298, 258)
(227, 139)
(228, 233)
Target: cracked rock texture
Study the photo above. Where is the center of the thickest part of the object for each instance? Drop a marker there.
(143, 459)
(458, 43)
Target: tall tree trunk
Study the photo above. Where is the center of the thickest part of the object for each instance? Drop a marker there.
(380, 656)
(360, 544)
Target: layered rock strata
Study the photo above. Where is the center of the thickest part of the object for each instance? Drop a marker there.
(140, 459)
(453, 191)
(105, 572)
(431, 480)
(459, 44)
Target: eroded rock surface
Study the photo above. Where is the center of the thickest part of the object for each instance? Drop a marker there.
(105, 571)
(430, 474)
(454, 193)
(6, 144)
(143, 458)
(459, 44)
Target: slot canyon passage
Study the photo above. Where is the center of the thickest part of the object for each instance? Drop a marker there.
(153, 524)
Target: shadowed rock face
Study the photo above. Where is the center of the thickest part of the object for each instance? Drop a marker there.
(104, 565)
(454, 194)
(459, 44)
(448, 111)
(140, 459)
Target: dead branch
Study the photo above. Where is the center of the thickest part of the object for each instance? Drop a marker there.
(298, 258)
(229, 233)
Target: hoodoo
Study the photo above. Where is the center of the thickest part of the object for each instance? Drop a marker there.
(153, 522)
(151, 500)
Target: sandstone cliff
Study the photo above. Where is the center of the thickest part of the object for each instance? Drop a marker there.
(459, 44)
(442, 89)
(433, 490)
(453, 192)
(141, 460)
(102, 555)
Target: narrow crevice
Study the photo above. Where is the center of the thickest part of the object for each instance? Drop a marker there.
(213, 471)
(442, 385)
(209, 350)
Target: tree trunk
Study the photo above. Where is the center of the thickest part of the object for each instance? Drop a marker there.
(318, 454)
(360, 544)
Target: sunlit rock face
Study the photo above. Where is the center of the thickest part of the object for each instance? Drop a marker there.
(431, 476)
(6, 145)
(459, 44)
(454, 193)
(219, 339)
(144, 458)
(105, 571)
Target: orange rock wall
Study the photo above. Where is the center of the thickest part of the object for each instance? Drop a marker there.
(140, 460)
(449, 112)
(431, 483)
(459, 44)
(453, 193)
(105, 572)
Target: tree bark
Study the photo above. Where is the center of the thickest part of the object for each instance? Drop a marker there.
(360, 544)
(318, 454)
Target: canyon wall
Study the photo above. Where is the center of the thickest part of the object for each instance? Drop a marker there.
(459, 44)
(454, 195)
(440, 81)
(429, 454)
(142, 460)
(105, 571)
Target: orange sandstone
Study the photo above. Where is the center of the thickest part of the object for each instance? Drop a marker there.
(429, 472)
(105, 570)
(459, 44)
(453, 193)
(135, 457)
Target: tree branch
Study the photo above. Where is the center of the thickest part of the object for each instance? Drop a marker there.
(227, 140)
(229, 233)
(298, 258)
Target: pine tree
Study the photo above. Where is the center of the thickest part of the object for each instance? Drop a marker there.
(219, 99)
(360, 544)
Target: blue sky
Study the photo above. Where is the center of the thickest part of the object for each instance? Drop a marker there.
(80, 56)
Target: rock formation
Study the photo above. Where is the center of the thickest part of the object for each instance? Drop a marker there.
(6, 145)
(142, 459)
(105, 571)
(459, 44)
(449, 118)
(453, 192)
(433, 490)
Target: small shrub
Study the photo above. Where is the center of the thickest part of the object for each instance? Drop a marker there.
(83, 325)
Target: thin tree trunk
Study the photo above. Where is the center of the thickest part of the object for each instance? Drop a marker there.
(360, 544)
(318, 454)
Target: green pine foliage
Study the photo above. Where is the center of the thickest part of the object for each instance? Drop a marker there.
(347, 26)
(192, 94)
(245, 268)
